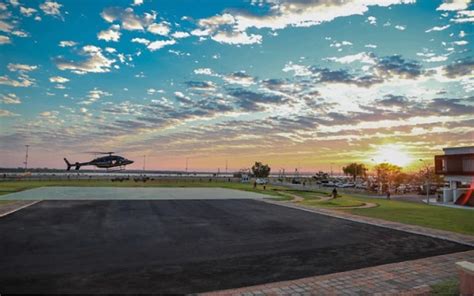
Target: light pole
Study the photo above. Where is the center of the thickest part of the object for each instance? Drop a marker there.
(144, 162)
(331, 169)
(26, 157)
(187, 158)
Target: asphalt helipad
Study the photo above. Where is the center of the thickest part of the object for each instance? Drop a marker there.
(129, 193)
(187, 246)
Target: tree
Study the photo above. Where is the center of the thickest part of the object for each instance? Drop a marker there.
(386, 174)
(354, 170)
(321, 176)
(260, 170)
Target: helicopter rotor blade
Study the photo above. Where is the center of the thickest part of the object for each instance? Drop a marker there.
(100, 152)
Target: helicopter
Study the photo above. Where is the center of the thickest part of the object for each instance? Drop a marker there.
(107, 162)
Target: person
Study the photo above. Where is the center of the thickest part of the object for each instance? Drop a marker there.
(334, 193)
(388, 194)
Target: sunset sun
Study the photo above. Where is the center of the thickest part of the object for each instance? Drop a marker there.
(394, 154)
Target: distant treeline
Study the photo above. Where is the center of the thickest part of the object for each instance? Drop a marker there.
(49, 170)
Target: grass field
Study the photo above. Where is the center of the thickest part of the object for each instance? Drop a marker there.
(450, 219)
(444, 218)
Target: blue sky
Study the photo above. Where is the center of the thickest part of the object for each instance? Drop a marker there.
(296, 83)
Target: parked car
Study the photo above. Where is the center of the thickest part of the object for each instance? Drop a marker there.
(329, 184)
(261, 181)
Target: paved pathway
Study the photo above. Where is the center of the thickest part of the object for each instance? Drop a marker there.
(298, 199)
(404, 278)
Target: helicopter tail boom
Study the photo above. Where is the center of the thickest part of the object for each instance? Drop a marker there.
(69, 165)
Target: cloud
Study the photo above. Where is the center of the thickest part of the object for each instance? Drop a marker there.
(179, 35)
(182, 98)
(201, 85)
(453, 5)
(397, 66)
(5, 26)
(236, 38)
(152, 91)
(252, 101)
(141, 41)
(461, 42)
(10, 99)
(363, 57)
(58, 79)
(324, 75)
(464, 16)
(23, 81)
(51, 8)
(436, 28)
(6, 113)
(111, 34)
(231, 27)
(95, 95)
(160, 44)
(204, 71)
(400, 27)
(127, 18)
(393, 101)
(21, 67)
(460, 68)
(162, 29)
(239, 78)
(27, 11)
(372, 20)
(137, 2)
(95, 62)
(67, 43)
(5, 40)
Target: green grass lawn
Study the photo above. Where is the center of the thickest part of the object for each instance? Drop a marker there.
(444, 218)
(449, 287)
(456, 220)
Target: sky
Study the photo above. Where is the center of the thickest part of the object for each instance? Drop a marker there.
(307, 84)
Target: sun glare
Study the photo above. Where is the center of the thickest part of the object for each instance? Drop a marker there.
(394, 154)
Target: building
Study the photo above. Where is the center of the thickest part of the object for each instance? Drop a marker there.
(457, 167)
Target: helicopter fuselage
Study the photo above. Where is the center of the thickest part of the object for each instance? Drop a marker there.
(105, 162)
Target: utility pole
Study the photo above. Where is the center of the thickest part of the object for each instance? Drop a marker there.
(144, 162)
(26, 157)
(331, 169)
(187, 158)
(226, 166)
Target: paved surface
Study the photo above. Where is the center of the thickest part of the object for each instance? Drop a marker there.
(11, 207)
(406, 278)
(412, 277)
(184, 246)
(130, 193)
(415, 229)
